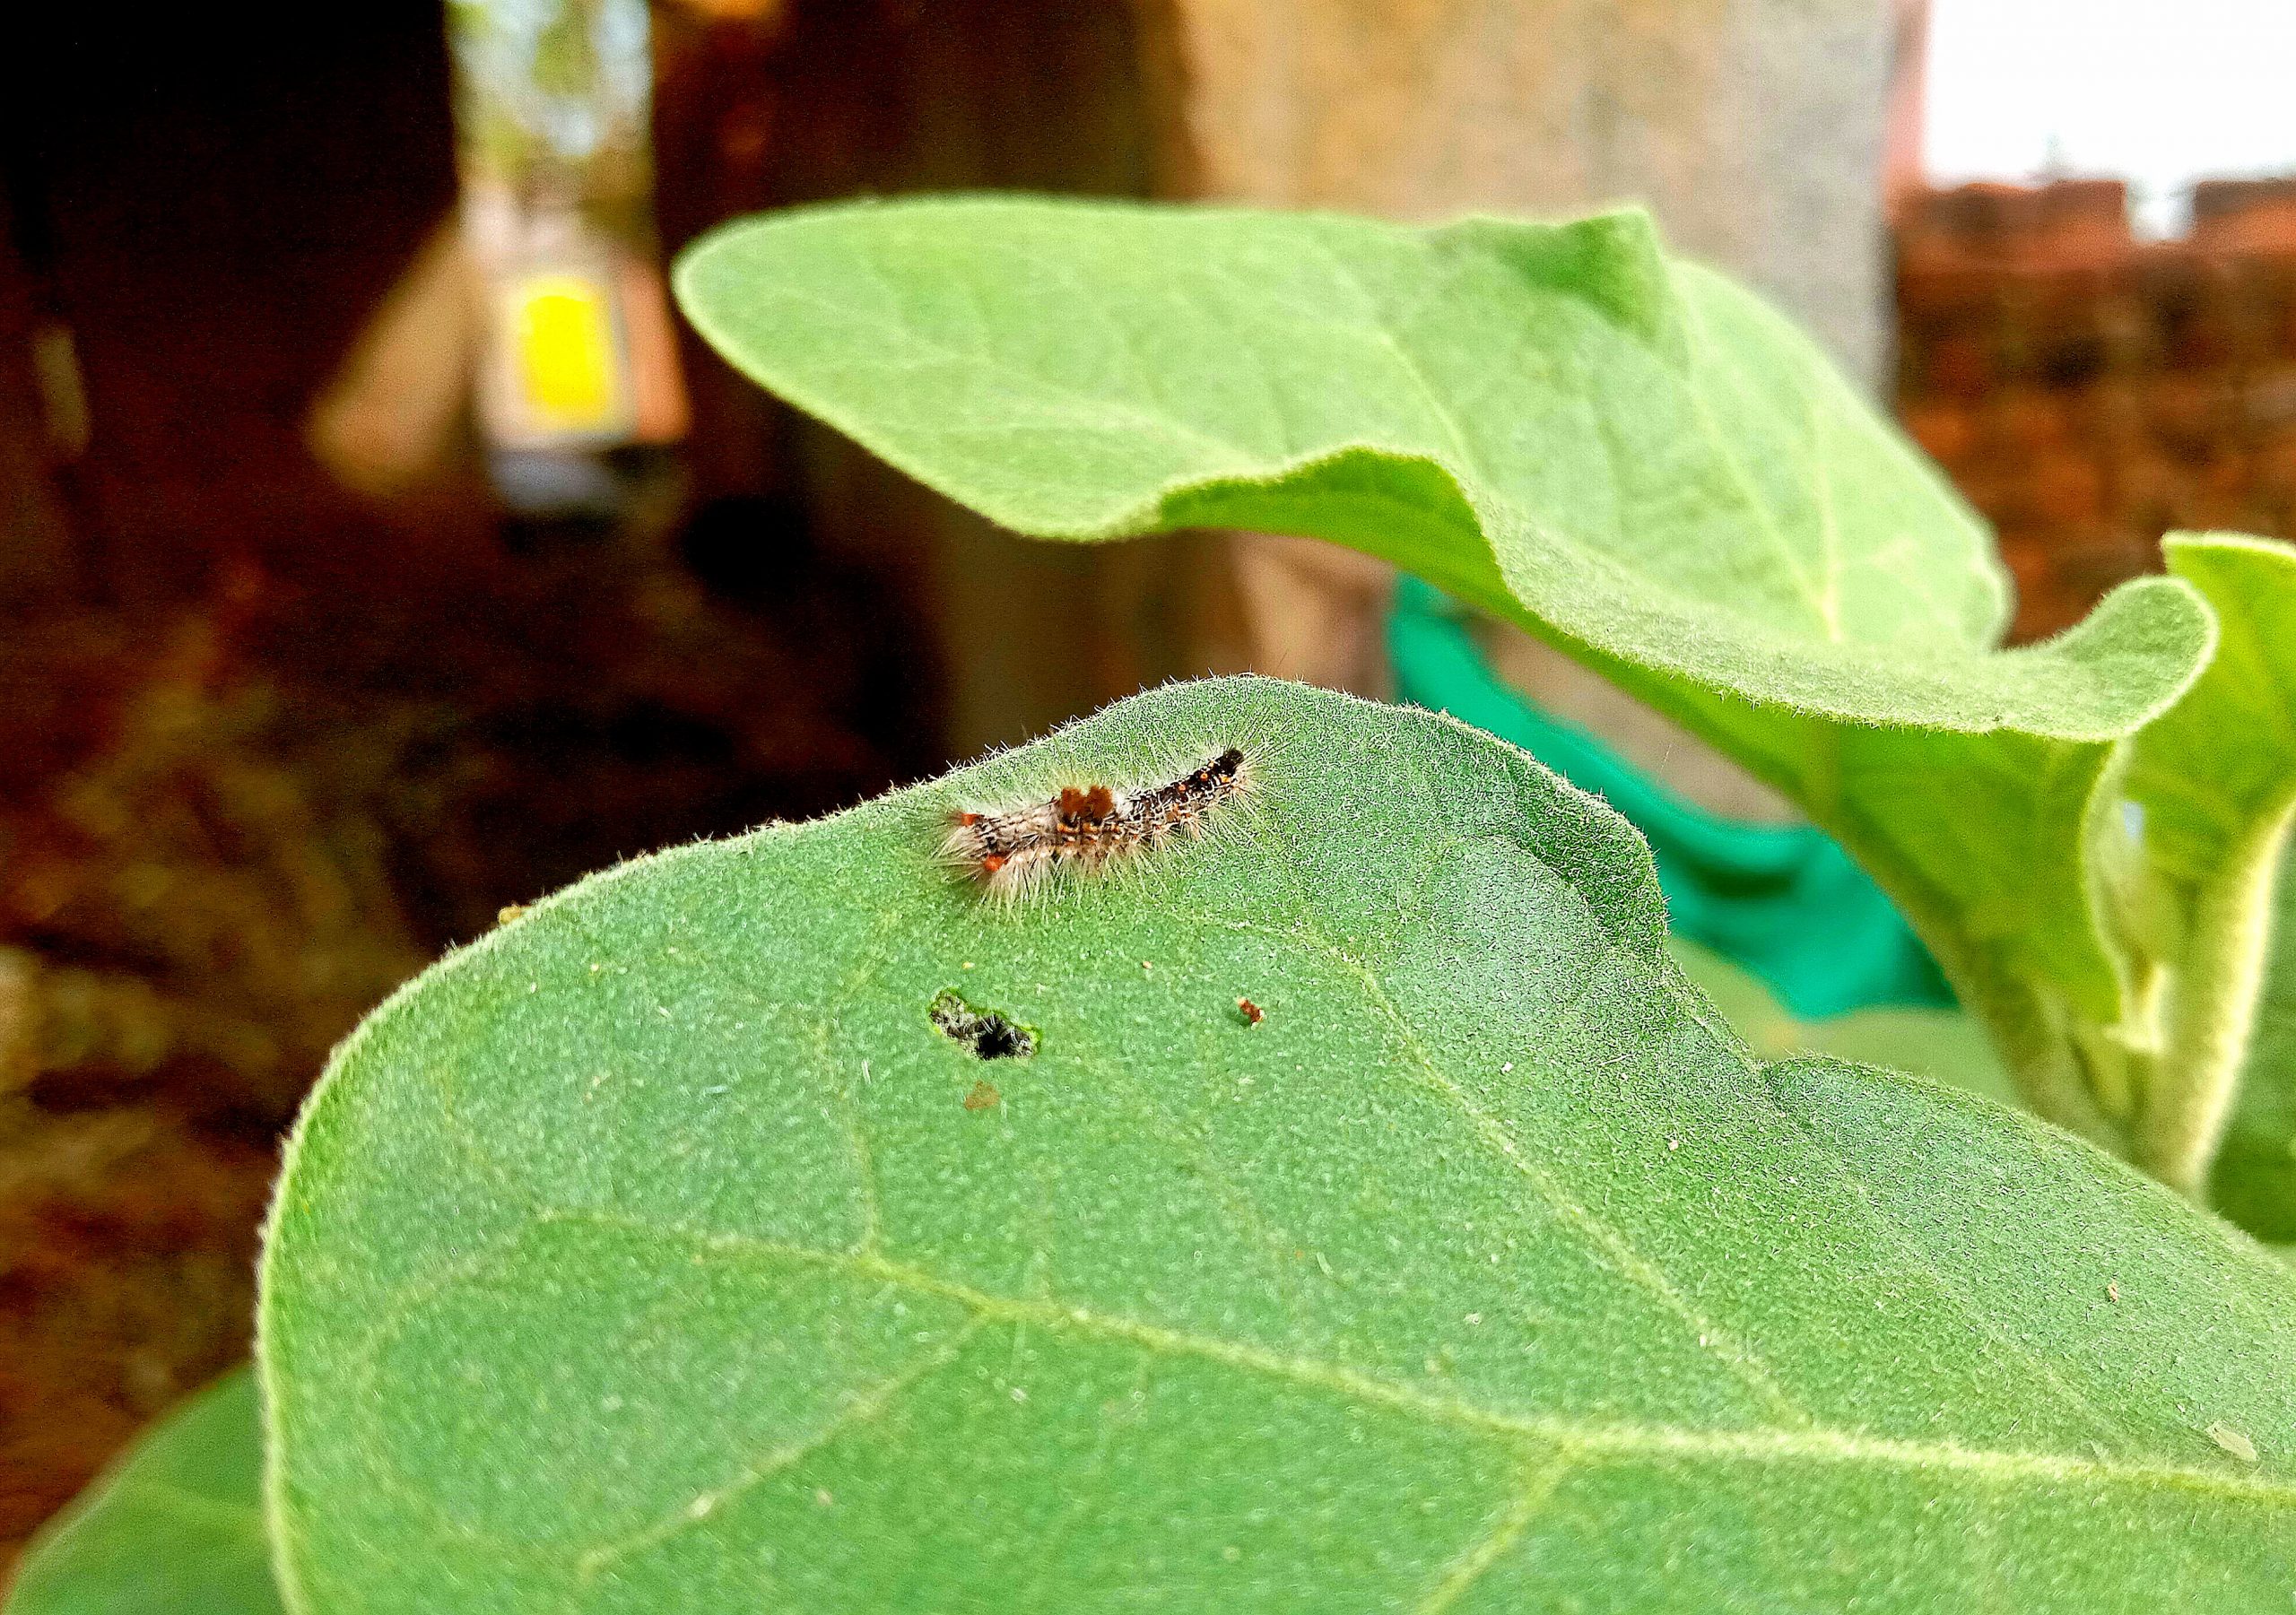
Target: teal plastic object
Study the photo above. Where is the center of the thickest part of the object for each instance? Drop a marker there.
(1784, 902)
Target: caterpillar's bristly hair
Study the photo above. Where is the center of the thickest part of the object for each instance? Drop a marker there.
(1013, 851)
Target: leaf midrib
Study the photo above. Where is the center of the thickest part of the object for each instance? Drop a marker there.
(1812, 1443)
(1625, 1259)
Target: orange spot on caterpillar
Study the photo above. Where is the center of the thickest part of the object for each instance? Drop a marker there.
(991, 863)
(1087, 807)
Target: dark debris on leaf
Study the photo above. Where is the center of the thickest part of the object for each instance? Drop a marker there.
(987, 1034)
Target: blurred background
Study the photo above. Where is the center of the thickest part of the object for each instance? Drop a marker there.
(378, 550)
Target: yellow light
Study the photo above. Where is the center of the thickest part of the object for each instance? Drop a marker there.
(567, 363)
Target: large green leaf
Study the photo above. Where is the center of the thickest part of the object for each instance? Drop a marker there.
(174, 1529)
(662, 1252)
(2216, 779)
(1630, 456)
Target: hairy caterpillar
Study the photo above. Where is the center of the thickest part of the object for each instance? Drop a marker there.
(1011, 851)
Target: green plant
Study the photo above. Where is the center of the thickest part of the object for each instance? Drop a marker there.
(666, 1249)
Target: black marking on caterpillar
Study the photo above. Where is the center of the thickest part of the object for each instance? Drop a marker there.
(1013, 851)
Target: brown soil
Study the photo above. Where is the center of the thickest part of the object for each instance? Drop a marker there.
(263, 749)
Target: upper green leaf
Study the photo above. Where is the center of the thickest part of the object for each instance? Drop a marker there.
(1629, 455)
(667, 1250)
(177, 1526)
(2218, 769)
(1544, 416)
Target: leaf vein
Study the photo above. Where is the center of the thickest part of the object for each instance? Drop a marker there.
(1495, 1543)
(858, 1413)
(1616, 1442)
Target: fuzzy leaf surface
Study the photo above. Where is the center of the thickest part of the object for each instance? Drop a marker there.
(2222, 761)
(1628, 454)
(660, 1252)
(2253, 1182)
(2215, 778)
(177, 1526)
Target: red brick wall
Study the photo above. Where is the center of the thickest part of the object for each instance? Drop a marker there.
(2089, 392)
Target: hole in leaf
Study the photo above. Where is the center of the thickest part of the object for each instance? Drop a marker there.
(987, 1034)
